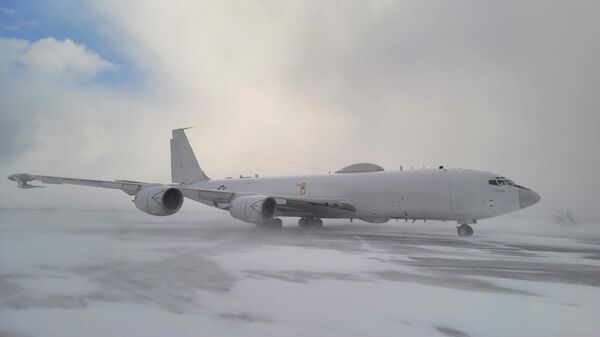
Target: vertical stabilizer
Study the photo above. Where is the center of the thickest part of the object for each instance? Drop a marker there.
(184, 166)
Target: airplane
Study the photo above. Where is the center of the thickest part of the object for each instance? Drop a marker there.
(360, 191)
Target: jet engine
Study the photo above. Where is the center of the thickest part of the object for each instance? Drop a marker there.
(159, 200)
(255, 209)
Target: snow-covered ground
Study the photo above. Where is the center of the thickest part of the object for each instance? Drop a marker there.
(127, 274)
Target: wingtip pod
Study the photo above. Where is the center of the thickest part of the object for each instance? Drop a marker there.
(23, 179)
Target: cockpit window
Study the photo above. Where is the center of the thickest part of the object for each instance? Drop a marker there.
(500, 181)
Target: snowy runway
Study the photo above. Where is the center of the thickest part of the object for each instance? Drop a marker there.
(126, 274)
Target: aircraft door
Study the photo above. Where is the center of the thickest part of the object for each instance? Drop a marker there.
(466, 194)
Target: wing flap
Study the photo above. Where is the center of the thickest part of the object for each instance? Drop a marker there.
(207, 194)
(302, 203)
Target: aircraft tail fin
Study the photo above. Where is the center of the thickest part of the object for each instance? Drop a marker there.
(184, 166)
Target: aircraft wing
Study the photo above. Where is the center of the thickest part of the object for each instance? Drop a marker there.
(129, 187)
(285, 203)
(292, 205)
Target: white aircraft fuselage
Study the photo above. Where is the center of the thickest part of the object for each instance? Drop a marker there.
(432, 194)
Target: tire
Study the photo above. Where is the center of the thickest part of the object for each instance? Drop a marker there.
(464, 230)
(273, 224)
(310, 223)
(277, 223)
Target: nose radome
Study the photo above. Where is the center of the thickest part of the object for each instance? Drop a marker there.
(528, 198)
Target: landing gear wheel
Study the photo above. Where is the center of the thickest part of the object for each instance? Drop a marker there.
(464, 230)
(272, 224)
(310, 222)
(277, 223)
(470, 229)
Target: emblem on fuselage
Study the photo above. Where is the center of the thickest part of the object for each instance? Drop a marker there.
(302, 188)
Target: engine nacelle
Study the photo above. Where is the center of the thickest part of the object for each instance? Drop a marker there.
(255, 209)
(159, 200)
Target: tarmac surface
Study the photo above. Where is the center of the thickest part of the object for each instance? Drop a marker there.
(127, 274)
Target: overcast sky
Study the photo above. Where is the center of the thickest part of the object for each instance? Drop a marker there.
(93, 88)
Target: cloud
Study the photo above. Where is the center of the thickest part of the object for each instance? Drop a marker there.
(33, 78)
(11, 50)
(51, 56)
(7, 11)
(509, 87)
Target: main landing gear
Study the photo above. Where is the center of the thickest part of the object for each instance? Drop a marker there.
(464, 229)
(307, 222)
(275, 223)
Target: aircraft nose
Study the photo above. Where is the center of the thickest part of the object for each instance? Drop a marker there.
(528, 197)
